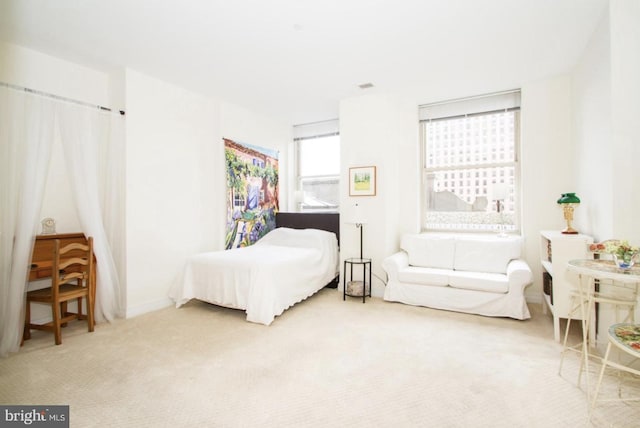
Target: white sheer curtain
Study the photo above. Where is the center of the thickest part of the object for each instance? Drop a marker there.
(93, 144)
(85, 133)
(26, 130)
(111, 163)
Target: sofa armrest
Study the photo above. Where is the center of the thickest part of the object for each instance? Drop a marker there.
(394, 263)
(519, 274)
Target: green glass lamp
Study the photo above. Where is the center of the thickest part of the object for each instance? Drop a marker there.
(568, 202)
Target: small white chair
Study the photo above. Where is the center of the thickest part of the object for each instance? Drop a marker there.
(626, 338)
(584, 299)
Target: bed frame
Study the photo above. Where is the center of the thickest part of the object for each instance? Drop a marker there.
(323, 221)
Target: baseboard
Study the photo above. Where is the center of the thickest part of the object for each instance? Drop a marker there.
(134, 311)
(533, 299)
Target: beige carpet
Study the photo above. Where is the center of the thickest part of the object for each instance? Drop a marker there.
(323, 363)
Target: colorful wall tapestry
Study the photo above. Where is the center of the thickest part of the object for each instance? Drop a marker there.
(252, 192)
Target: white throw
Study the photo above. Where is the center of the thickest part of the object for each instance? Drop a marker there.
(283, 268)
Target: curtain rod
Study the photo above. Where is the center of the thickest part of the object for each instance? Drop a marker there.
(57, 97)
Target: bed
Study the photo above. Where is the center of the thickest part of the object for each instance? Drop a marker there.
(289, 264)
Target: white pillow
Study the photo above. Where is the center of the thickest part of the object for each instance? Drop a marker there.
(321, 240)
(299, 238)
(427, 250)
(486, 254)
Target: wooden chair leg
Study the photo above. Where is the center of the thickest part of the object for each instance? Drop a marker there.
(63, 312)
(26, 334)
(90, 319)
(79, 302)
(56, 324)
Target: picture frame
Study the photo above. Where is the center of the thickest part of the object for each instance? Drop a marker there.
(362, 181)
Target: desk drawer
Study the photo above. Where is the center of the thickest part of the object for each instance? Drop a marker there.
(39, 273)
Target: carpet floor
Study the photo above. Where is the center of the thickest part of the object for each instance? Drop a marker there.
(323, 363)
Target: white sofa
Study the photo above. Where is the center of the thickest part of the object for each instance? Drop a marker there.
(478, 274)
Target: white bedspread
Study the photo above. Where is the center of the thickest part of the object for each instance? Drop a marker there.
(283, 268)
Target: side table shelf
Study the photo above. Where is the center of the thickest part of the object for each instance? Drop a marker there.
(556, 249)
(366, 284)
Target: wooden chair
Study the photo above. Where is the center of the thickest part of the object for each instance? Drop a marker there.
(74, 264)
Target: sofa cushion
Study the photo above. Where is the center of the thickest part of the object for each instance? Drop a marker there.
(424, 276)
(427, 250)
(491, 254)
(480, 281)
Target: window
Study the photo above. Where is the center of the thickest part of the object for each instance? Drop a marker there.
(318, 167)
(479, 138)
(238, 200)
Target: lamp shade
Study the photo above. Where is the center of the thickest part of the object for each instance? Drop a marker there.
(500, 191)
(299, 196)
(569, 198)
(358, 216)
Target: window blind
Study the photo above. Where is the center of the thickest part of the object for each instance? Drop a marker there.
(503, 101)
(307, 131)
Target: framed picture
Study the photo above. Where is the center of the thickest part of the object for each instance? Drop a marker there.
(362, 181)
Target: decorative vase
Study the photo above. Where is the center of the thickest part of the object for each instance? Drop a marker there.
(625, 261)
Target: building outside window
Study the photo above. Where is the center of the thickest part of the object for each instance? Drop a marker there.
(470, 163)
(317, 149)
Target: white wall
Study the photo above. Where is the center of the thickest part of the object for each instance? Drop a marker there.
(171, 162)
(606, 105)
(591, 107)
(379, 130)
(625, 109)
(35, 70)
(176, 179)
(547, 167)
(606, 93)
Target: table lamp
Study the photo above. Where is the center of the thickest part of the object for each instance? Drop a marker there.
(500, 193)
(359, 221)
(298, 196)
(568, 202)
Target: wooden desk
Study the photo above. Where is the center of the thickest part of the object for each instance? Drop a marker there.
(42, 256)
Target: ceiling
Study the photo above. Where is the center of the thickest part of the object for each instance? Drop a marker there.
(296, 59)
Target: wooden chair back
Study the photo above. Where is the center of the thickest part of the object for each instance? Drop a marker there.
(72, 279)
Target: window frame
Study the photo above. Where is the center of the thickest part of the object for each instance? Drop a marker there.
(309, 132)
(512, 223)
